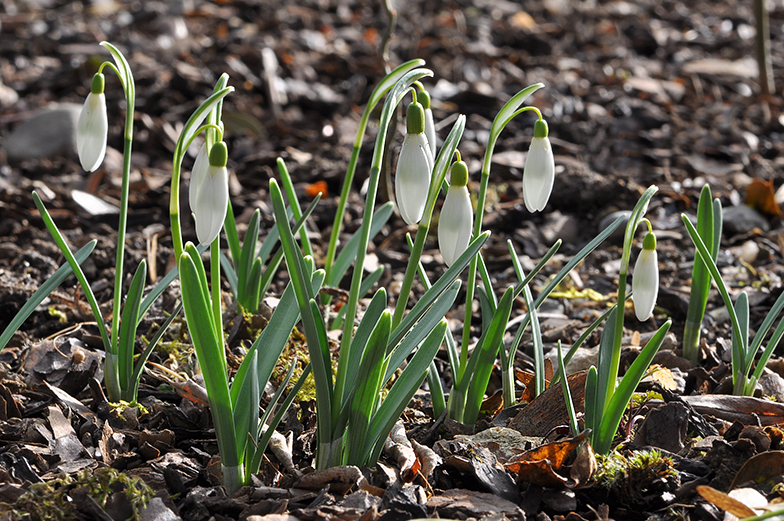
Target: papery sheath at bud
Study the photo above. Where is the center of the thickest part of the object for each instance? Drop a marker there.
(645, 279)
(92, 128)
(209, 192)
(457, 216)
(430, 126)
(414, 167)
(539, 170)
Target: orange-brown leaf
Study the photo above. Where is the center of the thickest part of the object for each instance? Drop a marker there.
(761, 195)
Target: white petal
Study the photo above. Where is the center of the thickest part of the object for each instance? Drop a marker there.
(92, 130)
(412, 178)
(212, 199)
(199, 174)
(430, 131)
(538, 174)
(455, 224)
(645, 284)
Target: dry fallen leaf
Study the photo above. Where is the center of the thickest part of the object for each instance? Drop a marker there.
(724, 502)
(540, 465)
(761, 467)
(761, 196)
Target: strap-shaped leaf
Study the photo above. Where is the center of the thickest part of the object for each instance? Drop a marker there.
(591, 418)
(246, 407)
(739, 350)
(367, 325)
(349, 251)
(247, 256)
(604, 379)
(163, 283)
(742, 309)
(231, 275)
(367, 389)
(436, 387)
(76, 270)
(255, 455)
(288, 187)
(611, 417)
(439, 287)
(567, 392)
(139, 367)
(210, 353)
(398, 353)
(480, 366)
(41, 293)
(402, 391)
(233, 239)
(127, 339)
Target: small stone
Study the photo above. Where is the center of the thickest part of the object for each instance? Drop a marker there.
(50, 132)
(742, 219)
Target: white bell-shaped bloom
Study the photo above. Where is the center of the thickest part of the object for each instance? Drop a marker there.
(200, 166)
(457, 216)
(209, 193)
(645, 279)
(92, 128)
(430, 126)
(539, 171)
(414, 167)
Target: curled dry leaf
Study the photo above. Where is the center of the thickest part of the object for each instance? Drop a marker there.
(725, 502)
(540, 466)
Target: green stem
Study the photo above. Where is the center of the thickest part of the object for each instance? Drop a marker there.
(390, 103)
(411, 268)
(215, 280)
(615, 360)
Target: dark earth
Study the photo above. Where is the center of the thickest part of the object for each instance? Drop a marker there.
(637, 93)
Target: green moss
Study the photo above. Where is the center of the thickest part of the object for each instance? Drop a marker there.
(620, 472)
(50, 501)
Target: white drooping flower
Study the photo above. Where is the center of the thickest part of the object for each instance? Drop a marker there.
(209, 192)
(92, 128)
(457, 216)
(414, 167)
(539, 170)
(430, 126)
(645, 279)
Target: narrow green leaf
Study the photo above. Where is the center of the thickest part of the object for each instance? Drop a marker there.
(432, 317)
(77, 271)
(127, 340)
(349, 252)
(246, 407)
(139, 367)
(567, 395)
(159, 288)
(43, 292)
(402, 391)
(612, 415)
(439, 287)
(367, 387)
(231, 275)
(604, 379)
(210, 353)
(247, 256)
(591, 417)
(480, 365)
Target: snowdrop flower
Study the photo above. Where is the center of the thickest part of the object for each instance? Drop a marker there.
(457, 216)
(430, 126)
(414, 167)
(209, 191)
(539, 171)
(645, 281)
(92, 127)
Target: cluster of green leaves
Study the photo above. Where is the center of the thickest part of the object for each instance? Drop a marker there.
(121, 374)
(744, 351)
(709, 226)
